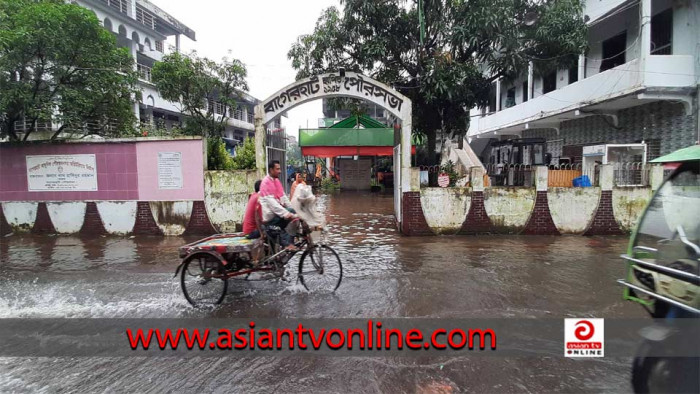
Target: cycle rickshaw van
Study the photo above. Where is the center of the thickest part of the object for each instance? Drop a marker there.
(663, 275)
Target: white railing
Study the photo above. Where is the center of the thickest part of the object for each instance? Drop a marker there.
(239, 114)
(24, 126)
(119, 5)
(145, 17)
(216, 107)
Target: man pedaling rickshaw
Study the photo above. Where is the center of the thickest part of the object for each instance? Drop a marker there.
(276, 207)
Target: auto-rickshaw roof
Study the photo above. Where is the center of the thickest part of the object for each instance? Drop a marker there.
(690, 153)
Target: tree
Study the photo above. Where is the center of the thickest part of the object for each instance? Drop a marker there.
(203, 88)
(467, 45)
(58, 64)
(294, 157)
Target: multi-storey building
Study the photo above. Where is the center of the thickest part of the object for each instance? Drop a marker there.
(637, 84)
(144, 28)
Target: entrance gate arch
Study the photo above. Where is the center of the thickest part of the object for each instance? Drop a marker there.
(342, 84)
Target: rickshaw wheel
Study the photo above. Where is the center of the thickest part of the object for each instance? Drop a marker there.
(663, 374)
(203, 279)
(320, 269)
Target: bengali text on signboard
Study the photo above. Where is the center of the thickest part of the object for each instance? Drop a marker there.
(61, 173)
(169, 170)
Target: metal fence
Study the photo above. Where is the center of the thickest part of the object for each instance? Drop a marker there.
(276, 149)
(624, 174)
(631, 174)
(511, 174)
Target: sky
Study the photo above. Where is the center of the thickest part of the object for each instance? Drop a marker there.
(259, 33)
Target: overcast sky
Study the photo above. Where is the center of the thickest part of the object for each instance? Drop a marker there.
(259, 33)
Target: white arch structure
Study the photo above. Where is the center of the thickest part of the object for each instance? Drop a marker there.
(343, 84)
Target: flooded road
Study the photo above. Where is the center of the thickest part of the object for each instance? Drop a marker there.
(385, 275)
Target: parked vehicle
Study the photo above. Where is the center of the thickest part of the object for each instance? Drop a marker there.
(663, 275)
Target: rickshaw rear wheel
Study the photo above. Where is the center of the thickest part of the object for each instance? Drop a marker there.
(663, 374)
(203, 279)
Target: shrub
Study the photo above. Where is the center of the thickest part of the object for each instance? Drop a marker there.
(329, 185)
(218, 157)
(245, 156)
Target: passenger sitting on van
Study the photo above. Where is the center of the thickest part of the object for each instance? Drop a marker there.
(250, 227)
(299, 180)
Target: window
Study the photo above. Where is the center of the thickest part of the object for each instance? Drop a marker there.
(492, 99)
(510, 97)
(614, 50)
(662, 33)
(573, 74)
(525, 93)
(549, 82)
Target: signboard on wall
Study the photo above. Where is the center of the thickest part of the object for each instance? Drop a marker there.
(594, 150)
(169, 170)
(61, 173)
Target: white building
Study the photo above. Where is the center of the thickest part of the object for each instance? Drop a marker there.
(637, 83)
(144, 28)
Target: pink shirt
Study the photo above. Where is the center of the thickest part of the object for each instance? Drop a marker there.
(271, 186)
(273, 199)
(249, 224)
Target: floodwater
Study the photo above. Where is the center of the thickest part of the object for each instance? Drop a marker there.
(385, 275)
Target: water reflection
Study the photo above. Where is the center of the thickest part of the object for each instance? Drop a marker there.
(385, 274)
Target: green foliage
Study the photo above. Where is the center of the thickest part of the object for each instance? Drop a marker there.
(192, 80)
(159, 129)
(57, 63)
(294, 157)
(218, 157)
(442, 75)
(329, 185)
(245, 156)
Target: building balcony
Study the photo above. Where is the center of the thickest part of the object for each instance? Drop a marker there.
(237, 118)
(123, 6)
(628, 85)
(241, 124)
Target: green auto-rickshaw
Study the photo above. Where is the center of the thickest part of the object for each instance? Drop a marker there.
(663, 275)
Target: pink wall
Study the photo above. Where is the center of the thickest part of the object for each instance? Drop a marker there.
(125, 170)
(192, 170)
(116, 171)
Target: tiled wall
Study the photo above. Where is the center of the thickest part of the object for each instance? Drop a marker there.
(663, 121)
(125, 171)
(117, 177)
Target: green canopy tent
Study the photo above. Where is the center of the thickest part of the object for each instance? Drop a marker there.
(353, 136)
